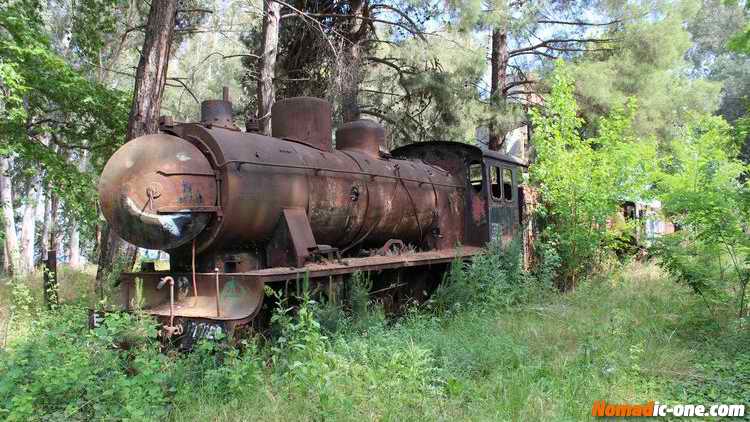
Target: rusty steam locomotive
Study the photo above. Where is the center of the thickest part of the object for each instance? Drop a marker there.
(238, 210)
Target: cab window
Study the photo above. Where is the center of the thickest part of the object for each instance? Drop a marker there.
(507, 184)
(475, 176)
(496, 183)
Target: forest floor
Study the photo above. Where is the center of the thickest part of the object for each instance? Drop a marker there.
(630, 337)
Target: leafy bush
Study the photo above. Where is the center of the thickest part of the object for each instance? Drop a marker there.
(509, 352)
(694, 264)
(61, 370)
(703, 191)
(493, 280)
(582, 180)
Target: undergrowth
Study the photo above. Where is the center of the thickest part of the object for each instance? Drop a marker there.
(494, 343)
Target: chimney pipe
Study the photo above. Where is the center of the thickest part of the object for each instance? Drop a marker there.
(218, 113)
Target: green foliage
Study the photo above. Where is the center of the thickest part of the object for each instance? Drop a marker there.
(582, 180)
(721, 365)
(696, 265)
(741, 41)
(63, 371)
(712, 57)
(703, 191)
(92, 21)
(427, 94)
(626, 337)
(300, 336)
(648, 64)
(49, 106)
(492, 280)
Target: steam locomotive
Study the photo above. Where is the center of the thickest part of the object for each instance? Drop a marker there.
(238, 211)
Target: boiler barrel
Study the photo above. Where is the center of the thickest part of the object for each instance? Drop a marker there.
(227, 190)
(349, 196)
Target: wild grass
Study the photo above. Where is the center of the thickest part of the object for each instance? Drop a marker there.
(628, 337)
(631, 335)
(75, 286)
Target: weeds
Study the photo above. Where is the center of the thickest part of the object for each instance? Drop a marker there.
(508, 350)
(493, 280)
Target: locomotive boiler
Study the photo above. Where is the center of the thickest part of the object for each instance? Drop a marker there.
(237, 210)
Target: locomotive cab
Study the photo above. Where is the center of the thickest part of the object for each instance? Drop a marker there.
(501, 178)
(492, 202)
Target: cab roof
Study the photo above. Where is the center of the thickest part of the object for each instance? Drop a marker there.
(470, 151)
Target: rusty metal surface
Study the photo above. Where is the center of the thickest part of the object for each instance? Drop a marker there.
(250, 201)
(152, 173)
(352, 199)
(468, 223)
(292, 242)
(504, 218)
(306, 120)
(392, 246)
(361, 135)
(218, 113)
(241, 295)
(372, 263)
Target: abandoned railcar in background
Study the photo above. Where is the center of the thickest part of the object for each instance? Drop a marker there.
(237, 211)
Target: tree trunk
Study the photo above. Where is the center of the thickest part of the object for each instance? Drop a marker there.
(74, 245)
(50, 272)
(46, 223)
(28, 226)
(499, 68)
(6, 259)
(267, 64)
(9, 224)
(97, 237)
(150, 79)
(151, 74)
(350, 62)
(74, 238)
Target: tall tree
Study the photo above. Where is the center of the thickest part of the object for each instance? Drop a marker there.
(74, 223)
(524, 38)
(717, 55)
(350, 59)
(28, 224)
(267, 64)
(12, 252)
(498, 77)
(650, 65)
(151, 76)
(430, 93)
(324, 46)
(49, 108)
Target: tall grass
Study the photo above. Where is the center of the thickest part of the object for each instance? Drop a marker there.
(509, 350)
(21, 299)
(625, 337)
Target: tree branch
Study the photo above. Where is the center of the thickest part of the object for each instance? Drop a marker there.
(514, 84)
(403, 15)
(579, 23)
(550, 44)
(381, 116)
(179, 80)
(195, 11)
(307, 17)
(413, 31)
(538, 53)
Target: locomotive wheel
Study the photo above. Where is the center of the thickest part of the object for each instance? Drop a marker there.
(420, 283)
(411, 286)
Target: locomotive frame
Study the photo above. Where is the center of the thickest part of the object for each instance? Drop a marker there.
(456, 198)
